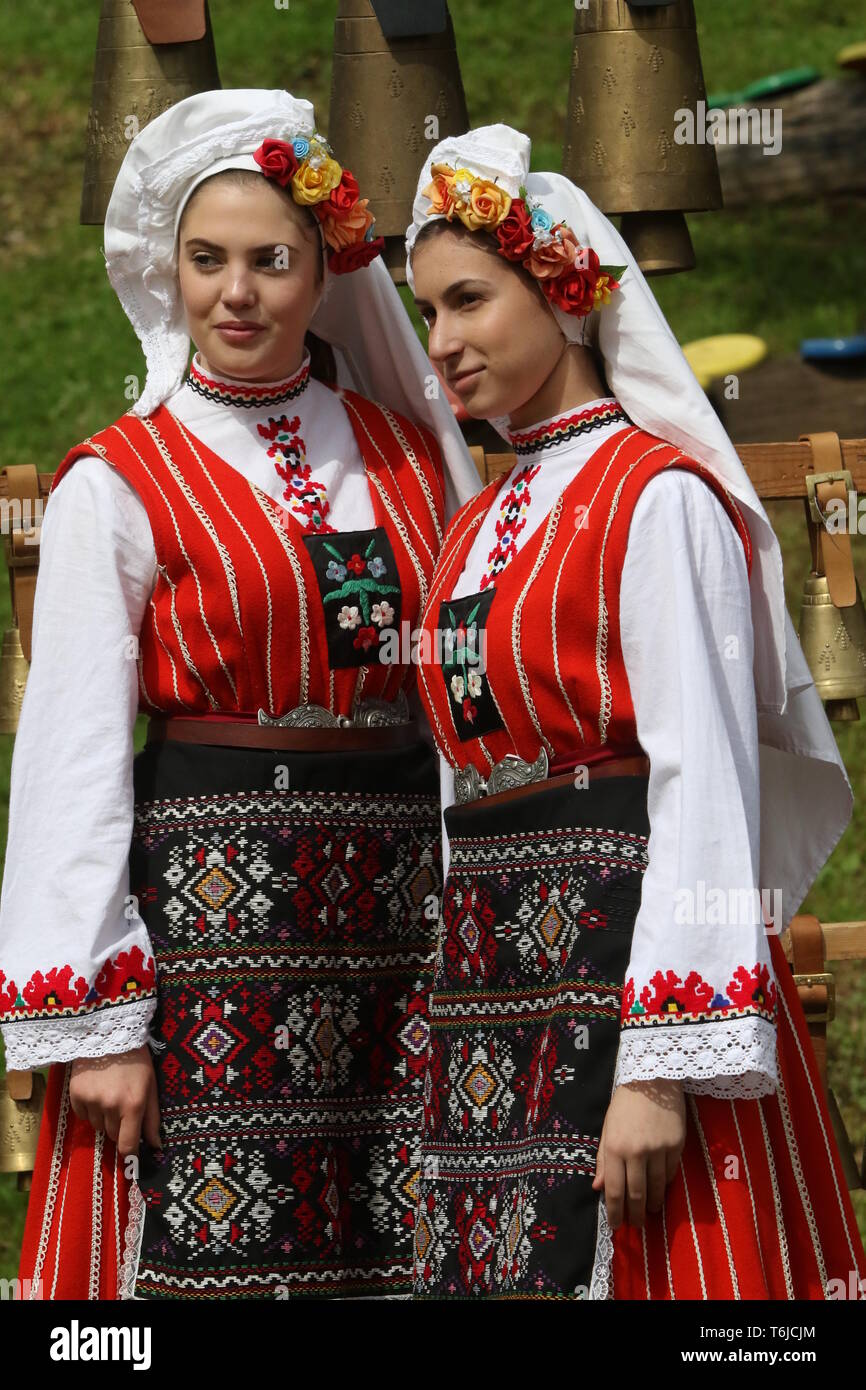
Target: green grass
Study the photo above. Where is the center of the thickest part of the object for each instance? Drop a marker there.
(67, 349)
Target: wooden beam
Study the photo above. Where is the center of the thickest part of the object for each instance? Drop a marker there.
(778, 471)
(842, 941)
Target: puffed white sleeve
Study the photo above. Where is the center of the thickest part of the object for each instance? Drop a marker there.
(699, 1002)
(77, 975)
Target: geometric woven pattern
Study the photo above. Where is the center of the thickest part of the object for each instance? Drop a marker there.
(293, 936)
(535, 937)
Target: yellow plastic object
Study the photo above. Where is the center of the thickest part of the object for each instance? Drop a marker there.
(853, 56)
(724, 354)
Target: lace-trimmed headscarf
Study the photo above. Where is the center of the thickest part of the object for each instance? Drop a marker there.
(359, 314)
(806, 797)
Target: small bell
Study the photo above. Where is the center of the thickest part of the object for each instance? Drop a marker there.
(13, 678)
(834, 645)
(21, 1097)
(832, 618)
(634, 68)
(148, 56)
(396, 91)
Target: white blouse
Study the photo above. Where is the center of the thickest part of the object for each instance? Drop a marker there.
(66, 898)
(687, 641)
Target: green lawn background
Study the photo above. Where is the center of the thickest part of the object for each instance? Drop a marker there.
(783, 272)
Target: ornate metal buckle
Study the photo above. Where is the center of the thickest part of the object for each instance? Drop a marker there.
(509, 772)
(368, 714)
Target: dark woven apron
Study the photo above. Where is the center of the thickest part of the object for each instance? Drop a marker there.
(539, 905)
(293, 931)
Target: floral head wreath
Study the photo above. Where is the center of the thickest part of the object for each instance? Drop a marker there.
(569, 275)
(307, 168)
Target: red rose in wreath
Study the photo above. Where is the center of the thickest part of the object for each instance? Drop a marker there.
(514, 233)
(277, 160)
(573, 290)
(354, 257)
(344, 197)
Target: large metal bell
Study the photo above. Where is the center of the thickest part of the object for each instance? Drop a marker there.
(149, 55)
(395, 91)
(633, 68)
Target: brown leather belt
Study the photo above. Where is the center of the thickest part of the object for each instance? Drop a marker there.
(637, 766)
(241, 733)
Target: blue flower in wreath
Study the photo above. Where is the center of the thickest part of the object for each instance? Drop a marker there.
(376, 566)
(540, 220)
(335, 571)
(301, 147)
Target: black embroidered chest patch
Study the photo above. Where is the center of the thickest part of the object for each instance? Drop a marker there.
(462, 632)
(359, 585)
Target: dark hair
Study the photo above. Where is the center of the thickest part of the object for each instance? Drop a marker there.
(243, 178)
(441, 224)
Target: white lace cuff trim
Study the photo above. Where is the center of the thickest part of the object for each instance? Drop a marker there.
(733, 1059)
(37, 1042)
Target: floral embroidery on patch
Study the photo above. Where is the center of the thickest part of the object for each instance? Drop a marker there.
(58, 992)
(359, 586)
(462, 623)
(667, 998)
(305, 496)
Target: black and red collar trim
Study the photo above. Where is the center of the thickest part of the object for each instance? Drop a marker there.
(564, 428)
(249, 395)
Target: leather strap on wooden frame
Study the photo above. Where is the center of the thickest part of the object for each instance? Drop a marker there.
(171, 21)
(814, 985)
(831, 551)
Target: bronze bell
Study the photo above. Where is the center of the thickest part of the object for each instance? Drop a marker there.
(148, 56)
(14, 668)
(21, 1097)
(832, 620)
(634, 67)
(834, 645)
(395, 91)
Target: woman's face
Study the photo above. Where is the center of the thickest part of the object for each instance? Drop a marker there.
(492, 336)
(245, 256)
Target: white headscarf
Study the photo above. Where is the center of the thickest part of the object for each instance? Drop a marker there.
(360, 313)
(806, 798)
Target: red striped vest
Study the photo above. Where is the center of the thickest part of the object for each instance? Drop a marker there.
(236, 620)
(554, 666)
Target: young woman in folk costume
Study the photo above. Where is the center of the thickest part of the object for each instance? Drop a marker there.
(251, 894)
(639, 738)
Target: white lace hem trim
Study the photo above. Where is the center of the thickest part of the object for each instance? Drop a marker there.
(601, 1282)
(37, 1042)
(128, 1272)
(732, 1060)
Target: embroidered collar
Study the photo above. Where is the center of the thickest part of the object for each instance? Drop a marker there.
(245, 394)
(562, 429)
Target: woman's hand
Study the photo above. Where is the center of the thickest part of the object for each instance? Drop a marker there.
(117, 1095)
(642, 1138)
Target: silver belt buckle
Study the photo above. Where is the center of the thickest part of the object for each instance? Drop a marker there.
(509, 772)
(368, 714)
